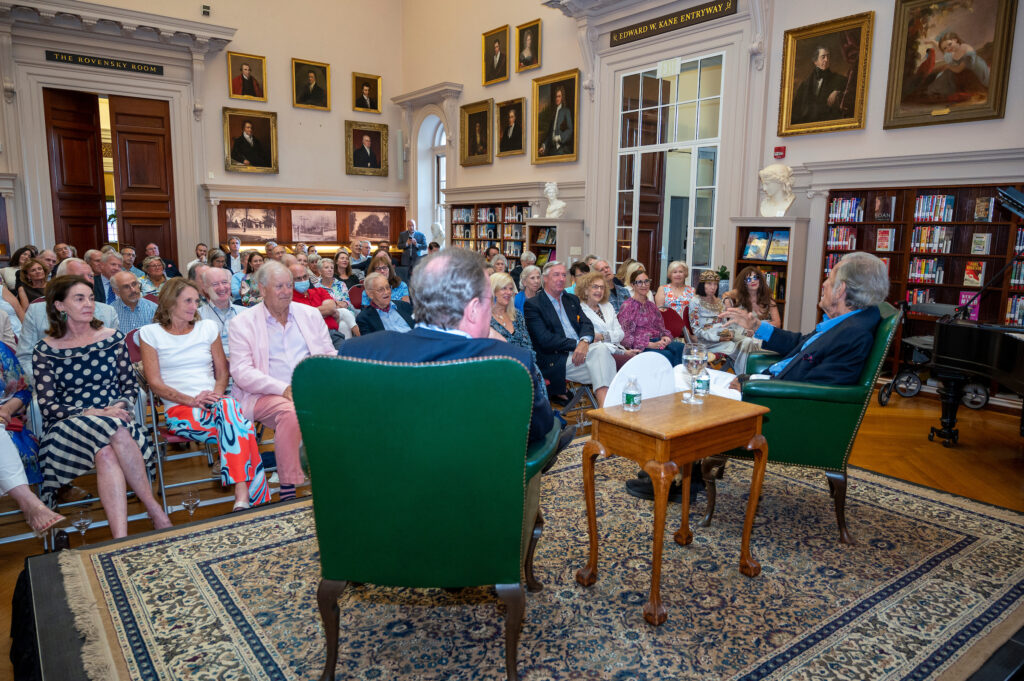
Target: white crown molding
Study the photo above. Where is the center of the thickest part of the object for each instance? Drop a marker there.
(519, 191)
(131, 24)
(215, 193)
(432, 94)
(584, 8)
(983, 166)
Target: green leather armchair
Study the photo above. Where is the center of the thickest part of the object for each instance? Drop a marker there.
(809, 424)
(451, 502)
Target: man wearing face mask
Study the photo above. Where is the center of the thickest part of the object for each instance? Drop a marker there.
(317, 297)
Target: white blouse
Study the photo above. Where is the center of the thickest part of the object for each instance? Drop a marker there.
(186, 362)
(609, 326)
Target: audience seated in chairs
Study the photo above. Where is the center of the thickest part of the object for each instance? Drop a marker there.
(267, 341)
(752, 295)
(381, 263)
(86, 390)
(110, 264)
(37, 322)
(532, 282)
(642, 324)
(217, 258)
(383, 313)
(31, 281)
(133, 311)
(304, 293)
(170, 269)
(592, 290)
(155, 276)
(185, 366)
(11, 272)
(218, 307)
(248, 291)
(617, 294)
(563, 338)
(506, 322)
(343, 268)
(339, 292)
(19, 462)
(676, 295)
(500, 264)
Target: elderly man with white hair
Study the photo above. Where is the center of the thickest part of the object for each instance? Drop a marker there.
(218, 308)
(133, 311)
(267, 341)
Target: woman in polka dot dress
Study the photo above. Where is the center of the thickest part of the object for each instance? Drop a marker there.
(86, 390)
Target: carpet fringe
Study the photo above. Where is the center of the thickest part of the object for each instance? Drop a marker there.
(96, 658)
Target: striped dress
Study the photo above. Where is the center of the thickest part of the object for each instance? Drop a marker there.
(69, 381)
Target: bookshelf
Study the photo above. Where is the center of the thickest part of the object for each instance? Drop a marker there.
(786, 281)
(478, 226)
(555, 239)
(935, 238)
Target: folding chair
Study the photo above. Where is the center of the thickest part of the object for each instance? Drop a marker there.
(581, 399)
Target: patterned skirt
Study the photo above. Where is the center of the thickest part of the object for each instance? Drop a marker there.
(69, 449)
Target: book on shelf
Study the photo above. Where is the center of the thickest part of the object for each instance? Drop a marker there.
(1015, 310)
(846, 210)
(984, 207)
(975, 307)
(884, 238)
(927, 270)
(544, 256)
(934, 208)
(888, 264)
(776, 281)
(885, 208)
(981, 243)
(842, 238)
(974, 273)
(778, 250)
(916, 296)
(1017, 275)
(757, 246)
(931, 239)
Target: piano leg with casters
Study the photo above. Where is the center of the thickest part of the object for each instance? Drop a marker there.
(951, 392)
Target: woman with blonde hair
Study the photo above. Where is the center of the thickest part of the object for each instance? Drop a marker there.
(184, 362)
(381, 263)
(676, 295)
(506, 323)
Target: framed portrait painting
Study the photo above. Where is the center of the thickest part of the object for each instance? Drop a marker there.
(475, 144)
(366, 148)
(250, 141)
(495, 55)
(950, 61)
(311, 85)
(825, 76)
(365, 92)
(556, 112)
(528, 46)
(247, 76)
(508, 126)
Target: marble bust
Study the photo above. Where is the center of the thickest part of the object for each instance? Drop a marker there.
(556, 207)
(777, 185)
(437, 233)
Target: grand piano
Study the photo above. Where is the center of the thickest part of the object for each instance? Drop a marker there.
(966, 351)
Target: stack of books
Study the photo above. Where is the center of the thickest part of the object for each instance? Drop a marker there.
(929, 270)
(846, 210)
(934, 208)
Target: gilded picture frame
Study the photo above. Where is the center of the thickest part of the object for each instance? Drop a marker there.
(950, 61)
(307, 93)
(366, 86)
(476, 144)
(514, 144)
(247, 73)
(554, 131)
(494, 64)
(362, 158)
(255, 152)
(840, 52)
(528, 46)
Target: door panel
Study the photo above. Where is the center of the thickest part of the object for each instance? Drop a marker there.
(141, 134)
(76, 167)
(649, 213)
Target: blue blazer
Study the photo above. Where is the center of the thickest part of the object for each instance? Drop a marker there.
(835, 358)
(426, 345)
(550, 343)
(370, 322)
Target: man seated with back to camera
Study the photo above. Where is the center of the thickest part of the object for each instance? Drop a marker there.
(452, 308)
(832, 354)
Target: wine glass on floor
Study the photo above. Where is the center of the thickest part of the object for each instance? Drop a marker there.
(81, 521)
(695, 356)
(191, 501)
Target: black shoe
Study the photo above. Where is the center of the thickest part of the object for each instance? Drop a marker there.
(643, 489)
(61, 541)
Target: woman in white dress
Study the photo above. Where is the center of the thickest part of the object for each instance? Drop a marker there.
(592, 291)
(705, 306)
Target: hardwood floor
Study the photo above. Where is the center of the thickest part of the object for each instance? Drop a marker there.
(988, 465)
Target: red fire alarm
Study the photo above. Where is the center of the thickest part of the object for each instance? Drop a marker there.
(780, 152)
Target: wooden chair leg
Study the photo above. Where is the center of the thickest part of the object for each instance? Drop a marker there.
(327, 600)
(706, 466)
(532, 585)
(515, 601)
(837, 486)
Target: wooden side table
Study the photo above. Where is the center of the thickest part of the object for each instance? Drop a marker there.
(665, 436)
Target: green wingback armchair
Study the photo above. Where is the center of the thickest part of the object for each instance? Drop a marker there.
(452, 502)
(809, 424)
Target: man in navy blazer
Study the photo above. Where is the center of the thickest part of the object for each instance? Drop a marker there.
(563, 337)
(383, 314)
(453, 307)
(835, 351)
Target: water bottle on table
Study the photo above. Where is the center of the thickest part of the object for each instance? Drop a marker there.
(631, 395)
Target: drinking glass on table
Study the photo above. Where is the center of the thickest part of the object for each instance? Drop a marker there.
(695, 356)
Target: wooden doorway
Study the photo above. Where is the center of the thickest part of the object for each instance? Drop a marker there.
(143, 186)
(650, 210)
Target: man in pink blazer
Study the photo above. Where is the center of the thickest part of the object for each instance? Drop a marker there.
(267, 341)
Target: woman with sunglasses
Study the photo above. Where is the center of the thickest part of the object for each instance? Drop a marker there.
(642, 325)
(753, 295)
(381, 263)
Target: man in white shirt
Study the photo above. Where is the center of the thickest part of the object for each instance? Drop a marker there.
(200, 259)
(234, 255)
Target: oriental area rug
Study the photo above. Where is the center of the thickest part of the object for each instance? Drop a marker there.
(933, 586)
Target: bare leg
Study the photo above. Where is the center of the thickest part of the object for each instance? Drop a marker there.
(242, 494)
(110, 480)
(37, 515)
(599, 393)
(133, 469)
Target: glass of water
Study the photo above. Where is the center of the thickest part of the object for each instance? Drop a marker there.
(191, 501)
(81, 521)
(695, 356)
